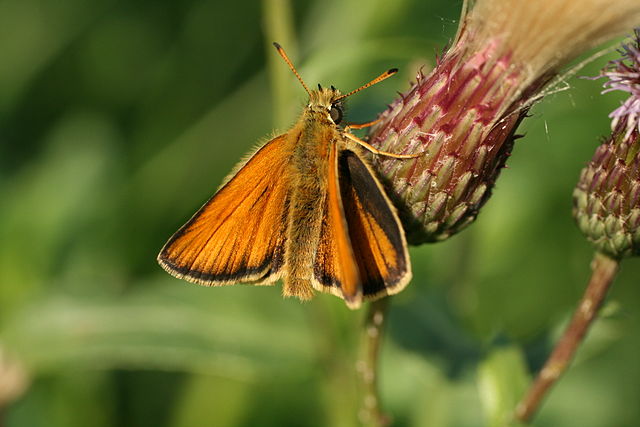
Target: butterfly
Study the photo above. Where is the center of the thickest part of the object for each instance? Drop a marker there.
(306, 208)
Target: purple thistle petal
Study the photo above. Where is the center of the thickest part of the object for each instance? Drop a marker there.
(624, 75)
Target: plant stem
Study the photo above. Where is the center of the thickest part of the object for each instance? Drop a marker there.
(604, 270)
(278, 27)
(371, 413)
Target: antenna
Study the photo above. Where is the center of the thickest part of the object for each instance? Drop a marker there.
(378, 79)
(290, 64)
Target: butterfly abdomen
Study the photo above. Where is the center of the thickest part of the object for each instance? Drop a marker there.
(310, 163)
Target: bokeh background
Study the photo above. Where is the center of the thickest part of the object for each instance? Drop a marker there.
(119, 119)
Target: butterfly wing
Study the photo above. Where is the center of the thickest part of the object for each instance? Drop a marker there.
(335, 268)
(238, 235)
(376, 234)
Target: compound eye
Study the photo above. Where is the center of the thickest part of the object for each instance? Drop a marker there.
(336, 114)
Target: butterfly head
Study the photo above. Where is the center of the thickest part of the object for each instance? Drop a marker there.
(329, 101)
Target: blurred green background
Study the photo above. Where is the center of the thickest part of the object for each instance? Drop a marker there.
(118, 119)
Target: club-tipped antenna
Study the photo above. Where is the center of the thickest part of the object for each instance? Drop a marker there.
(378, 79)
(290, 64)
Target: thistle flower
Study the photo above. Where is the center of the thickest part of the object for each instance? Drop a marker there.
(607, 197)
(607, 209)
(464, 114)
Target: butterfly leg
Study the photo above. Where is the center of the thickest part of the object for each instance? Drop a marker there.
(374, 150)
(360, 125)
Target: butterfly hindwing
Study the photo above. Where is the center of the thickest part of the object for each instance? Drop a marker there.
(376, 234)
(238, 235)
(335, 268)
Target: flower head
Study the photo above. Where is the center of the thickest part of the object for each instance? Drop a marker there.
(607, 197)
(464, 114)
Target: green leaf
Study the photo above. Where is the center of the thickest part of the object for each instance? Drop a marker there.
(153, 330)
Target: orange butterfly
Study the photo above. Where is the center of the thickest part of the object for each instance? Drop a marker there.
(305, 208)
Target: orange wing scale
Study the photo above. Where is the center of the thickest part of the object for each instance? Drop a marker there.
(238, 235)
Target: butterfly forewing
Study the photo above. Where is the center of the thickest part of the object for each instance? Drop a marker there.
(336, 267)
(377, 237)
(238, 235)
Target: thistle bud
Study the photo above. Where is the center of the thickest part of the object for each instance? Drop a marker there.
(464, 114)
(607, 197)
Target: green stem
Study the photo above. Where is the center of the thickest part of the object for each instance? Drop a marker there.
(371, 413)
(604, 270)
(278, 27)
